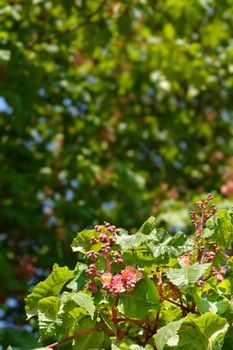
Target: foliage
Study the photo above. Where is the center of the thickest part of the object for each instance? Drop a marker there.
(173, 302)
(109, 110)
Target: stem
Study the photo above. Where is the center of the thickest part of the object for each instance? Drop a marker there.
(193, 307)
(108, 263)
(139, 322)
(102, 325)
(175, 303)
(156, 322)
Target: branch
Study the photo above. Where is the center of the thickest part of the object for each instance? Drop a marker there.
(72, 29)
(102, 325)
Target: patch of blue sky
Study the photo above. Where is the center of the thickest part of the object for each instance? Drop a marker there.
(108, 205)
(4, 106)
(74, 183)
(12, 303)
(67, 102)
(183, 145)
(69, 195)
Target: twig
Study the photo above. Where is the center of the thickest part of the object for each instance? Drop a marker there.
(102, 325)
(69, 30)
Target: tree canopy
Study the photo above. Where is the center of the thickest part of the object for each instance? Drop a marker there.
(109, 110)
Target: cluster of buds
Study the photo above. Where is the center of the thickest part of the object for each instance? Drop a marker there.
(92, 271)
(200, 283)
(209, 256)
(91, 286)
(124, 281)
(206, 211)
(121, 282)
(107, 236)
(219, 273)
(91, 254)
(118, 258)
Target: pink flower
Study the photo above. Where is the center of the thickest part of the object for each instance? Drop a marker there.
(131, 273)
(184, 260)
(106, 280)
(118, 284)
(131, 276)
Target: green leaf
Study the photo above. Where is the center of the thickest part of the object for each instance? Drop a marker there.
(50, 287)
(70, 318)
(91, 340)
(165, 245)
(187, 276)
(187, 333)
(84, 300)
(230, 263)
(148, 226)
(81, 242)
(220, 228)
(47, 314)
(109, 323)
(132, 241)
(218, 307)
(141, 300)
(167, 335)
(80, 278)
(213, 328)
(228, 340)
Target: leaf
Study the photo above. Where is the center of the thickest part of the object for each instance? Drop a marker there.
(91, 340)
(70, 317)
(187, 333)
(81, 242)
(218, 307)
(80, 278)
(140, 301)
(187, 276)
(50, 287)
(148, 226)
(47, 315)
(220, 228)
(213, 328)
(109, 323)
(168, 334)
(84, 300)
(166, 246)
(132, 241)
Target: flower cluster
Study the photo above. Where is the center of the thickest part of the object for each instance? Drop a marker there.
(206, 211)
(206, 252)
(114, 284)
(121, 282)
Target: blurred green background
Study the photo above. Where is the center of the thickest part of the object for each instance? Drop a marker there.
(109, 110)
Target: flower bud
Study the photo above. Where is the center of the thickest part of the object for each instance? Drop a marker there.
(92, 287)
(120, 261)
(94, 240)
(103, 238)
(112, 240)
(91, 254)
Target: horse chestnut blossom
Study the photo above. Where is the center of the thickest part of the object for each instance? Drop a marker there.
(121, 282)
(131, 276)
(117, 284)
(106, 279)
(184, 260)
